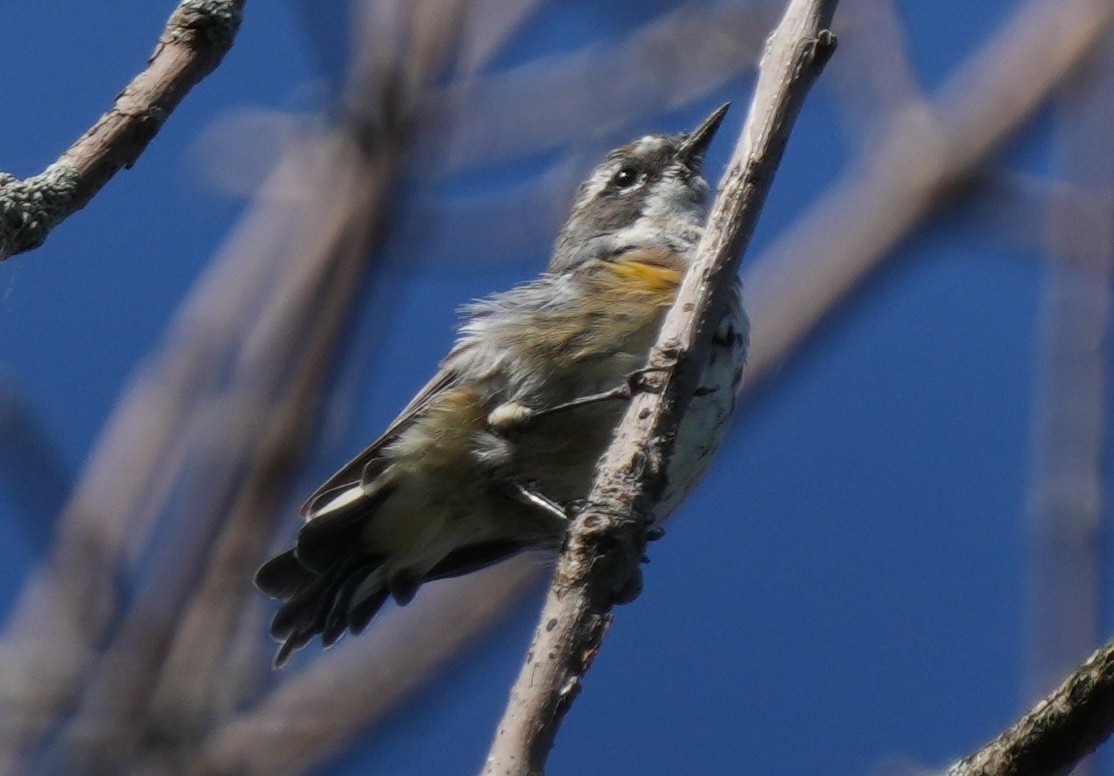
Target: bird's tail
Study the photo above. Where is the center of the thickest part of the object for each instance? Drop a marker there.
(344, 596)
(329, 582)
(332, 580)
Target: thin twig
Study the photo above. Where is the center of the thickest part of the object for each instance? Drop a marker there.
(1058, 732)
(606, 542)
(193, 43)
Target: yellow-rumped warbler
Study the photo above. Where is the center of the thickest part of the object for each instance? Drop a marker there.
(484, 461)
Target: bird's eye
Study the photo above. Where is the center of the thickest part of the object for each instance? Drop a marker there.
(626, 177)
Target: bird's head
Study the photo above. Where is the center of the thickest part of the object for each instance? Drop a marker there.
(646, 194)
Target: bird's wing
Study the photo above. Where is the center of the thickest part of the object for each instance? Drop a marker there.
(364, 466)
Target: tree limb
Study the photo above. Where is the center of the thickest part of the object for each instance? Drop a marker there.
(193, 43)
(605, 544)
(1058, 732)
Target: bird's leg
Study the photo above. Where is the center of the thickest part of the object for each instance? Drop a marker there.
(529, 495)
(625, 589)
(622, 392)
(512, 414)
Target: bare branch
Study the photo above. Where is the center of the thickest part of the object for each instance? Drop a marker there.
(605, 544)
(1058, 732)
(188, 684)
(173, 460)
(167, 673)
(193, 43)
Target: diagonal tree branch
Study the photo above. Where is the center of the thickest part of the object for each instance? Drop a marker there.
(1058, 732)
(605, 544)
(196, 37)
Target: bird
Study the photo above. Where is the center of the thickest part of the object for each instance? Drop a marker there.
(492, 456)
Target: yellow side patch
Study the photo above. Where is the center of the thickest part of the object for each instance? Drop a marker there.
(652, 278)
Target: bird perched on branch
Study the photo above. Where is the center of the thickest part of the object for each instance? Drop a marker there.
(486, 461)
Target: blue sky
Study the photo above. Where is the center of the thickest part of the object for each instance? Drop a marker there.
(846, 589)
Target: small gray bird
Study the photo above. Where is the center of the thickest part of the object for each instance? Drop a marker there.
(486, 459)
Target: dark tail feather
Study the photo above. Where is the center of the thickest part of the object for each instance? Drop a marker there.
(321, 603)
(361, 610)
(331, 535)
(306, 609)
(282, 576)
(325, 579)
(346, 595)
(337, 621)
(473, 557)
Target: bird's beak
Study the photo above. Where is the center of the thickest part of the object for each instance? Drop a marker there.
(696, 142)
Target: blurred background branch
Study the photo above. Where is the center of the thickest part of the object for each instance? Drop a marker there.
(137, 645)
(926, 153)
(31, 469)
(1067, 490)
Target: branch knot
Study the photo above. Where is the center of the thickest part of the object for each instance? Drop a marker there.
(204, 23)
(30, 208)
